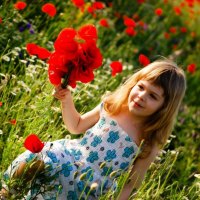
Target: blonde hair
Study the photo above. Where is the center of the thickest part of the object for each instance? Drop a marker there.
(158, 126)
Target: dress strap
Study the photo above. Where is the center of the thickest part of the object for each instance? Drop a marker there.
(102, 108)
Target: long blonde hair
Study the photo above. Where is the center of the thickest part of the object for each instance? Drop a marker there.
(158, 126)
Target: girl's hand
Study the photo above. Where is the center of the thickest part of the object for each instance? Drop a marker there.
(61, 94)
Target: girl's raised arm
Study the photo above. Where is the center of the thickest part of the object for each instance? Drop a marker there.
(74, 121)
(138, 173)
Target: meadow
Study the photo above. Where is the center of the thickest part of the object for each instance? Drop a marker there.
(132, 33)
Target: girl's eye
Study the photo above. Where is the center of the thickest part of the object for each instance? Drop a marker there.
(140, 86)
(153, 96)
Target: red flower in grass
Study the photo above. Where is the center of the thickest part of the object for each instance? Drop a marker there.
(166, 35)
(98, 5)
(20, 5)
(88, 32)
(104, 23)
(129, 22)
(183, 30)
(116, 67)
(144, 60)
(78, 3)
(76, 56)
(191, 68)
(41, 52)
(172, 29)
(177, 10)
(13, 121)
(1, 103)
(130, 31)
(159, 11)
(140, 1)
(49, 9)
(33, 143)
(1, 20)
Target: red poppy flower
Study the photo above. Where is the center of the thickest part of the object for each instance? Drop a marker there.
(191, 68)
(73, 59)
(172, 29)
(104, 23)
(116, 67)
(177, 10)
(13, 121)
(159, 11)
(78, 3)
(88, 32)
(183, 30)
(33, 143)
(166, 35)
(98, 5)
(140, 1)
(20, 5)
(65, 43)
(90, 9)
(130, 31)
(129, 22)
(49, 9)
(144, 60)
(1, 20)
(41, 52)
(1, 103)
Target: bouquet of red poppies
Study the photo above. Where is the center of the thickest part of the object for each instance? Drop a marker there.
(76, 56)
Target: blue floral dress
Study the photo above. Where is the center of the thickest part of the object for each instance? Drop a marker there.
(81, 168)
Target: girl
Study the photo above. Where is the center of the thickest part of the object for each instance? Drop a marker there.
(142, 109)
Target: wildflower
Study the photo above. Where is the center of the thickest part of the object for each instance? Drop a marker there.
(20, 5)
(1, 20)
(104, 23)
(49, 9)
(177, 10)
(98, 5)
(158, 11)
(191, 68)
(1, 103)
(183, 30)
(13, 121)
(140, 1)
(172, 29)
(144, 60)
(116, 67)
(34, 49)
(166, 35)
(74, 59)
(130, 31)
(129, 22)
(197, 176)
(33, 143)
(31, 31)
(78, 3)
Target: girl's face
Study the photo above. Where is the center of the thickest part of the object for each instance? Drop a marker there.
(145, 99)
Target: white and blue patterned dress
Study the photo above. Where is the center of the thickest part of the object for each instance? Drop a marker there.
(75, 164)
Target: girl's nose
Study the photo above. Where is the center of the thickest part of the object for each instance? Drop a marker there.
(142, 95)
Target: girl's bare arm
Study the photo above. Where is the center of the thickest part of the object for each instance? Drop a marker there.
(74, 121)
(138, 173)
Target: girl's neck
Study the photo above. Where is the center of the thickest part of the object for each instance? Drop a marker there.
(137, 122)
